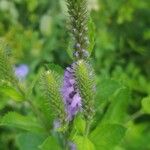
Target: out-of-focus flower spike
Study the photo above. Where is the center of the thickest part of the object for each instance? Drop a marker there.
(6, 64)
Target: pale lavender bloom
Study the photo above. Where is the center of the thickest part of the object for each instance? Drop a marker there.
(21, 71)
(70, 93)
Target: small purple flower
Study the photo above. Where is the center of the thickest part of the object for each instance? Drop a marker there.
(21, 71)
(70, 93)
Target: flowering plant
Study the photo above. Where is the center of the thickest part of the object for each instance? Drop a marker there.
(66, 113)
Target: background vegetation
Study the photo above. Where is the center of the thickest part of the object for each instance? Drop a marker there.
(37, 33)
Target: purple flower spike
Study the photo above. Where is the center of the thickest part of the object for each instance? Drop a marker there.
(21, 71)
(70, 93)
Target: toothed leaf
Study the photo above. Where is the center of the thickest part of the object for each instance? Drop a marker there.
(107, 136)
(83, 143)
(29, 141)
(50, 143)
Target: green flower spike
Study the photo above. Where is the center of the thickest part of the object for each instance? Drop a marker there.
(50, 86)
(84, 76)
(6, 65)
(77, 10)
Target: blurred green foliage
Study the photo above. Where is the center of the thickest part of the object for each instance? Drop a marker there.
(36, 31)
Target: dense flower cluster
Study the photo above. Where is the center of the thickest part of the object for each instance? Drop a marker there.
(70, 93)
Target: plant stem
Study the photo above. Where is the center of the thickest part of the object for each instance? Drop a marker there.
(136, 115)
(87, 130)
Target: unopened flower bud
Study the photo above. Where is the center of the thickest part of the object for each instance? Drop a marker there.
(86, 38)
(87, 43)
(82, 24)
(86, 29)
(76, 54)
(80, 34)
(85, 53)
(74, 30)
(77, 46)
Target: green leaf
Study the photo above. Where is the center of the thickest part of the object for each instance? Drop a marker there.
(107, 136)
(83, 143)
(3, 103)
(79, 124)
(28, 141)
(107, 88)
(50, 144)
(137, 136)
(146, 105)
(16, 120)
(12, 93)
(117, 110)
(91, 35)
(32, 85)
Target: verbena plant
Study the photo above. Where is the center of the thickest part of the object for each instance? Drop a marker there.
(68, 114)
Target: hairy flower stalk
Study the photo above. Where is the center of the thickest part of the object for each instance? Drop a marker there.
(77, 10)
